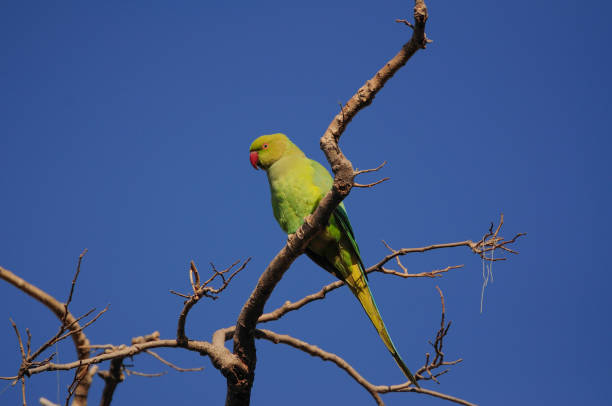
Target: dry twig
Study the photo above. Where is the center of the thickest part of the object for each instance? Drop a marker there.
(489, 242)
(203, 290)
(369, 185)
(375, 391)
(379, 267)
(171, 365)
(143, 374)
(68, 323)
(438, 360)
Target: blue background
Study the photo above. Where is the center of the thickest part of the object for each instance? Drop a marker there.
(124, 129)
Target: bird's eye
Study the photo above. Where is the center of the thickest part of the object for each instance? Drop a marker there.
(265, 146)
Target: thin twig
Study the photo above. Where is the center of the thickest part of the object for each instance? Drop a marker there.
(490, 241)
(89, 323)
(76, 275)
(65, 317)
(408, 23)
(79, 375)
(359, 172)
(171, 365)
(153, 375)
(23, 354)
(29, 343)
(368, 185)
(204, 290)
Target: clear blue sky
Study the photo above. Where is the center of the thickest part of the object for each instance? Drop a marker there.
(124, 129)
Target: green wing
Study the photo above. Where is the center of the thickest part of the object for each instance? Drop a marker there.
(345, 225)
(323, 180)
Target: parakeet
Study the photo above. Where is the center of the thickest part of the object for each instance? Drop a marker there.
(297, 184)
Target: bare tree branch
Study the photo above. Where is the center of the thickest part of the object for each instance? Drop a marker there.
(79, 375)
(289, 306)
(171, 365)
(143, 374)
(112, 378)
(428, 367)
(220, 356)
(19, 341)
(379, 167)
(23, 391)
(438, 361)
(74, 279)
(489, 240)
(228, 363)
(402, 388)
(204, 290)
(239, 391)
(23, 361)
(67, 319)
(373, 390)
(369, 185)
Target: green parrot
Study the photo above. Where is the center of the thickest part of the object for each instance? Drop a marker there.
(297, 184)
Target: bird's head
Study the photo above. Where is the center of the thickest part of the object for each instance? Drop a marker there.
(267, 149)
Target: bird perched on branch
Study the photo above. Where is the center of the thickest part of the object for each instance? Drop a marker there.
(297, 184)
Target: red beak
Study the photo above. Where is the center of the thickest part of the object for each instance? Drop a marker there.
(254, 159)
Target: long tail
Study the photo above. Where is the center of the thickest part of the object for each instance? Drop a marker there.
(359, 286)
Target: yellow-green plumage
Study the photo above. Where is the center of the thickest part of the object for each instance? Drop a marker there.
(297, 184)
